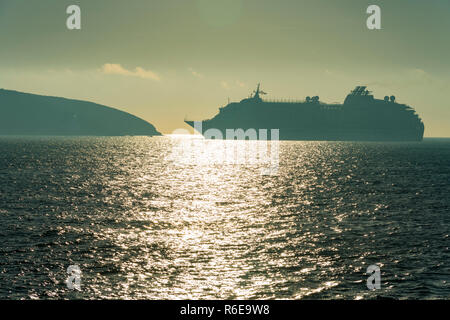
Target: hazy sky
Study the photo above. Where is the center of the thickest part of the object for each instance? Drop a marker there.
(163, 60)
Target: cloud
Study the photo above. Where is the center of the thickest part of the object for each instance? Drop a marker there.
(225, 85)
(195, 73)
(231, 85)
(405, 78)
(419, 75)
(240, 84)
(111, 68)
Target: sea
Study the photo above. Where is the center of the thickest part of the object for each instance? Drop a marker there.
(168, 218)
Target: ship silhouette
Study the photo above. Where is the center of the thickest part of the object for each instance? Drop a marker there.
(360, 118)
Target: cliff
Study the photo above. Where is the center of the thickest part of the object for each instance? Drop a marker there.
(30, 114)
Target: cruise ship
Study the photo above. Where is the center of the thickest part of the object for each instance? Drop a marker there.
(361, 117)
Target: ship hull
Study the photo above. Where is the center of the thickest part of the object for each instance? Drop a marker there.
(299, 134)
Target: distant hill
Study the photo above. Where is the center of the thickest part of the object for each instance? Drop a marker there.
(30, 114)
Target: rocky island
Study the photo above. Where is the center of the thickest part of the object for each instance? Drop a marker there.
(30, 114)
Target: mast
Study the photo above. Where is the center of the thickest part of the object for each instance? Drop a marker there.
(258, 92)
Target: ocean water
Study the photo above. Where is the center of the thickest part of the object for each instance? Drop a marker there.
(143, 224)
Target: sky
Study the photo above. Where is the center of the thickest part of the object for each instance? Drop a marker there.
(165, 60)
